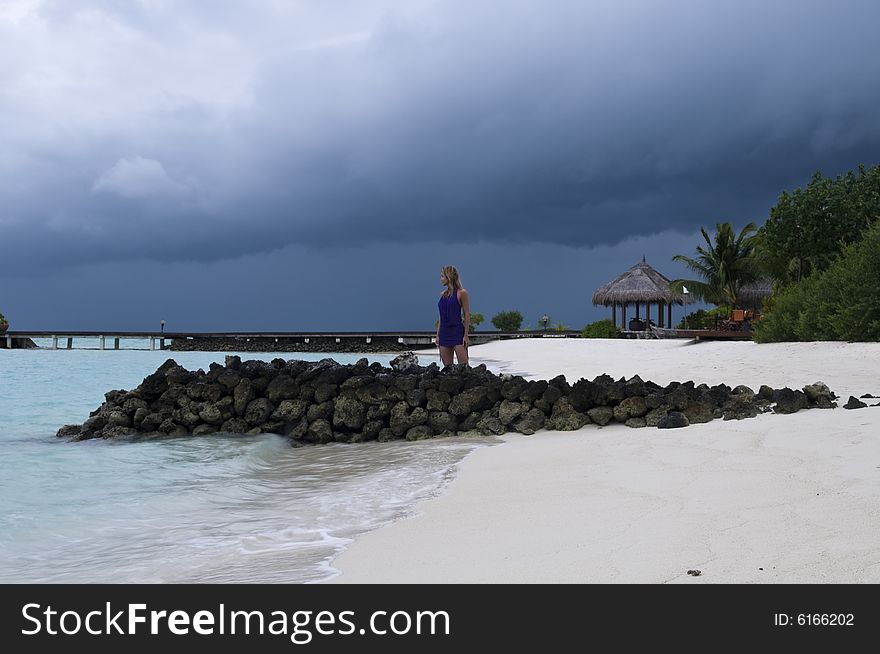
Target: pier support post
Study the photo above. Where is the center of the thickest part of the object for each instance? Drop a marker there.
(369, 340)
(152, 343)
(70, 342)
(669, 314)
(338, 340)
(161, 343)
(116, 343)
(305, 340)
(54, 342)
(102, 343)
(8, 342)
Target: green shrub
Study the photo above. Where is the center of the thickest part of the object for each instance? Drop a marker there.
(508, 321)
(781, 318)
(703, 319)
(2, 319)
(694, 320)
(477, 319)
(600, 329)
(841, 304)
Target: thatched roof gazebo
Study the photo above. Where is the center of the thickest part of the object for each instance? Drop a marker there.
(752, 296)
(641, 284)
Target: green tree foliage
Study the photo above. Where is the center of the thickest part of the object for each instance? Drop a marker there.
(840, 304)
(808, 228)
(600, 329)
(507, 321)
(723, 267)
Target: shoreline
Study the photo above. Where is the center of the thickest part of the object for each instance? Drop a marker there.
(771, 499)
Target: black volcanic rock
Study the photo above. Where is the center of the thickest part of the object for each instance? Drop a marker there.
(673, 420)
(324, 401)
(854, 403)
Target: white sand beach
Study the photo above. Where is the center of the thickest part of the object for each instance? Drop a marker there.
(772, 499)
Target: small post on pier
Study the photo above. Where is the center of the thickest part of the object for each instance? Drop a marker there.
(8, 341)
(102, 343)
(161, 343)
(116, 343)
(152, 342)
(54, 342)
(70, 342)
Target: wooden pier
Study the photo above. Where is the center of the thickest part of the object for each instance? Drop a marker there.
(108, 340)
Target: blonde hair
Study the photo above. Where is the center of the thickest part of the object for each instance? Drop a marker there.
(452, 278)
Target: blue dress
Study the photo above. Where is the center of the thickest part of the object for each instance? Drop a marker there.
(451, 326)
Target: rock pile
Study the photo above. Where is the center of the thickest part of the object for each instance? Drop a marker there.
(324, 401)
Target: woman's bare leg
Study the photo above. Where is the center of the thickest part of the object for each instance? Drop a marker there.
(461, 353)
(446, 354)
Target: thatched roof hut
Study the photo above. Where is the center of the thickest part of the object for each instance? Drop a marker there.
(752, 295)
(641, 284)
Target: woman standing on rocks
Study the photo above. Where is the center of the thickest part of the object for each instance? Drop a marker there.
(455, 318)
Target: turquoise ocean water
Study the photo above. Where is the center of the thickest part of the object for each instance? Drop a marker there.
(194, 509)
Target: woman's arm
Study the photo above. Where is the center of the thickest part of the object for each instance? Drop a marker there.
(465, 302)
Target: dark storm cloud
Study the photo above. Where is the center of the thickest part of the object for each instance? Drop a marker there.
(348, 287)
(187, 132)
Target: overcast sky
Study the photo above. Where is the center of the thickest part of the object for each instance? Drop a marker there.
(274, 165)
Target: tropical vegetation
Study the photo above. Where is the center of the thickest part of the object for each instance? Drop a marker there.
(724, 266)
(808, 228)
(821, 245)
(841, 302)
(600, 329)
(507, 321)
(477, 319)
(703, 318)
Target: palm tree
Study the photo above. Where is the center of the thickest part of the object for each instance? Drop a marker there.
(724, 267)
